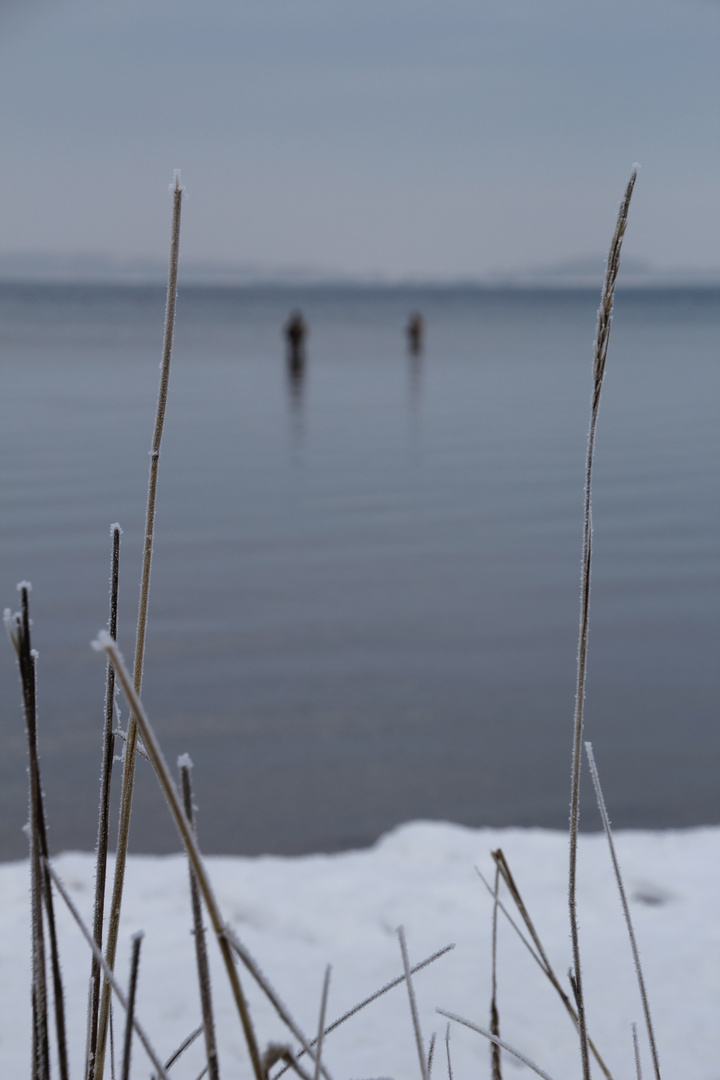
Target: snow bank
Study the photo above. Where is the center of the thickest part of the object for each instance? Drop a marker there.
(298, 914)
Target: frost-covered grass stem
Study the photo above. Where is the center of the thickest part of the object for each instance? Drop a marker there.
(494, 1038)
(602, 338)
(129, 758)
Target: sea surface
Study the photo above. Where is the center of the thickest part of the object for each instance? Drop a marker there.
(365, 587)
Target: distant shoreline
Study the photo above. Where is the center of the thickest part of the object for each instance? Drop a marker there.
(527, 287)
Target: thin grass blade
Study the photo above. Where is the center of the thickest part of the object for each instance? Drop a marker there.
(203, 967)
(130, 1012)
(447, 1051)
(602, 337)
(495, 1061)
(431, 1054)
(104, 810)
(128, 776)
(493, 1038)
(41, 889)
(413, 1004)
(626, 909)
(636, 1049)
(321, 1022)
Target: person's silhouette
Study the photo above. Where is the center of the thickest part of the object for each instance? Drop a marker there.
(415, 333)
(296, 332)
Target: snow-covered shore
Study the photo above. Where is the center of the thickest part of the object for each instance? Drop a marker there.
(298, 914)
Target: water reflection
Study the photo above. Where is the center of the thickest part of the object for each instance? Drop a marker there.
(296, 372)
(415, 379)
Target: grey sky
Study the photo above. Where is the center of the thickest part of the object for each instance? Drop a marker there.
(427, 138)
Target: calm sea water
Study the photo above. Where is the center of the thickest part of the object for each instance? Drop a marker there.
(364, 598)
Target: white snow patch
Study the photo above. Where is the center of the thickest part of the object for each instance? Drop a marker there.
(296, 915)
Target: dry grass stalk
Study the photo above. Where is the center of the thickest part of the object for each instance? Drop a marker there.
(111, 1027)
(134, 967)
(413, 1004)
(494, 1038)
(104, 811)
(199, 934)
(626, 910)
(16, 627)
(431, 1054)
(494, 1015)
(107, 971)
(184, 1046)
(636, 1049)
(129, 758)
(447, 1051)
(41, 890)
(602, 338)
(105, 643)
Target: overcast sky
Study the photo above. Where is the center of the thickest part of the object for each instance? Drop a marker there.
(423, 138)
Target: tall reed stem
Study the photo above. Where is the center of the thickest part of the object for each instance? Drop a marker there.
(130, 1014)
(41, 888)
(494, 1015)
(602, 338)
(104, 810)
(128, 778)
(26, 662)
